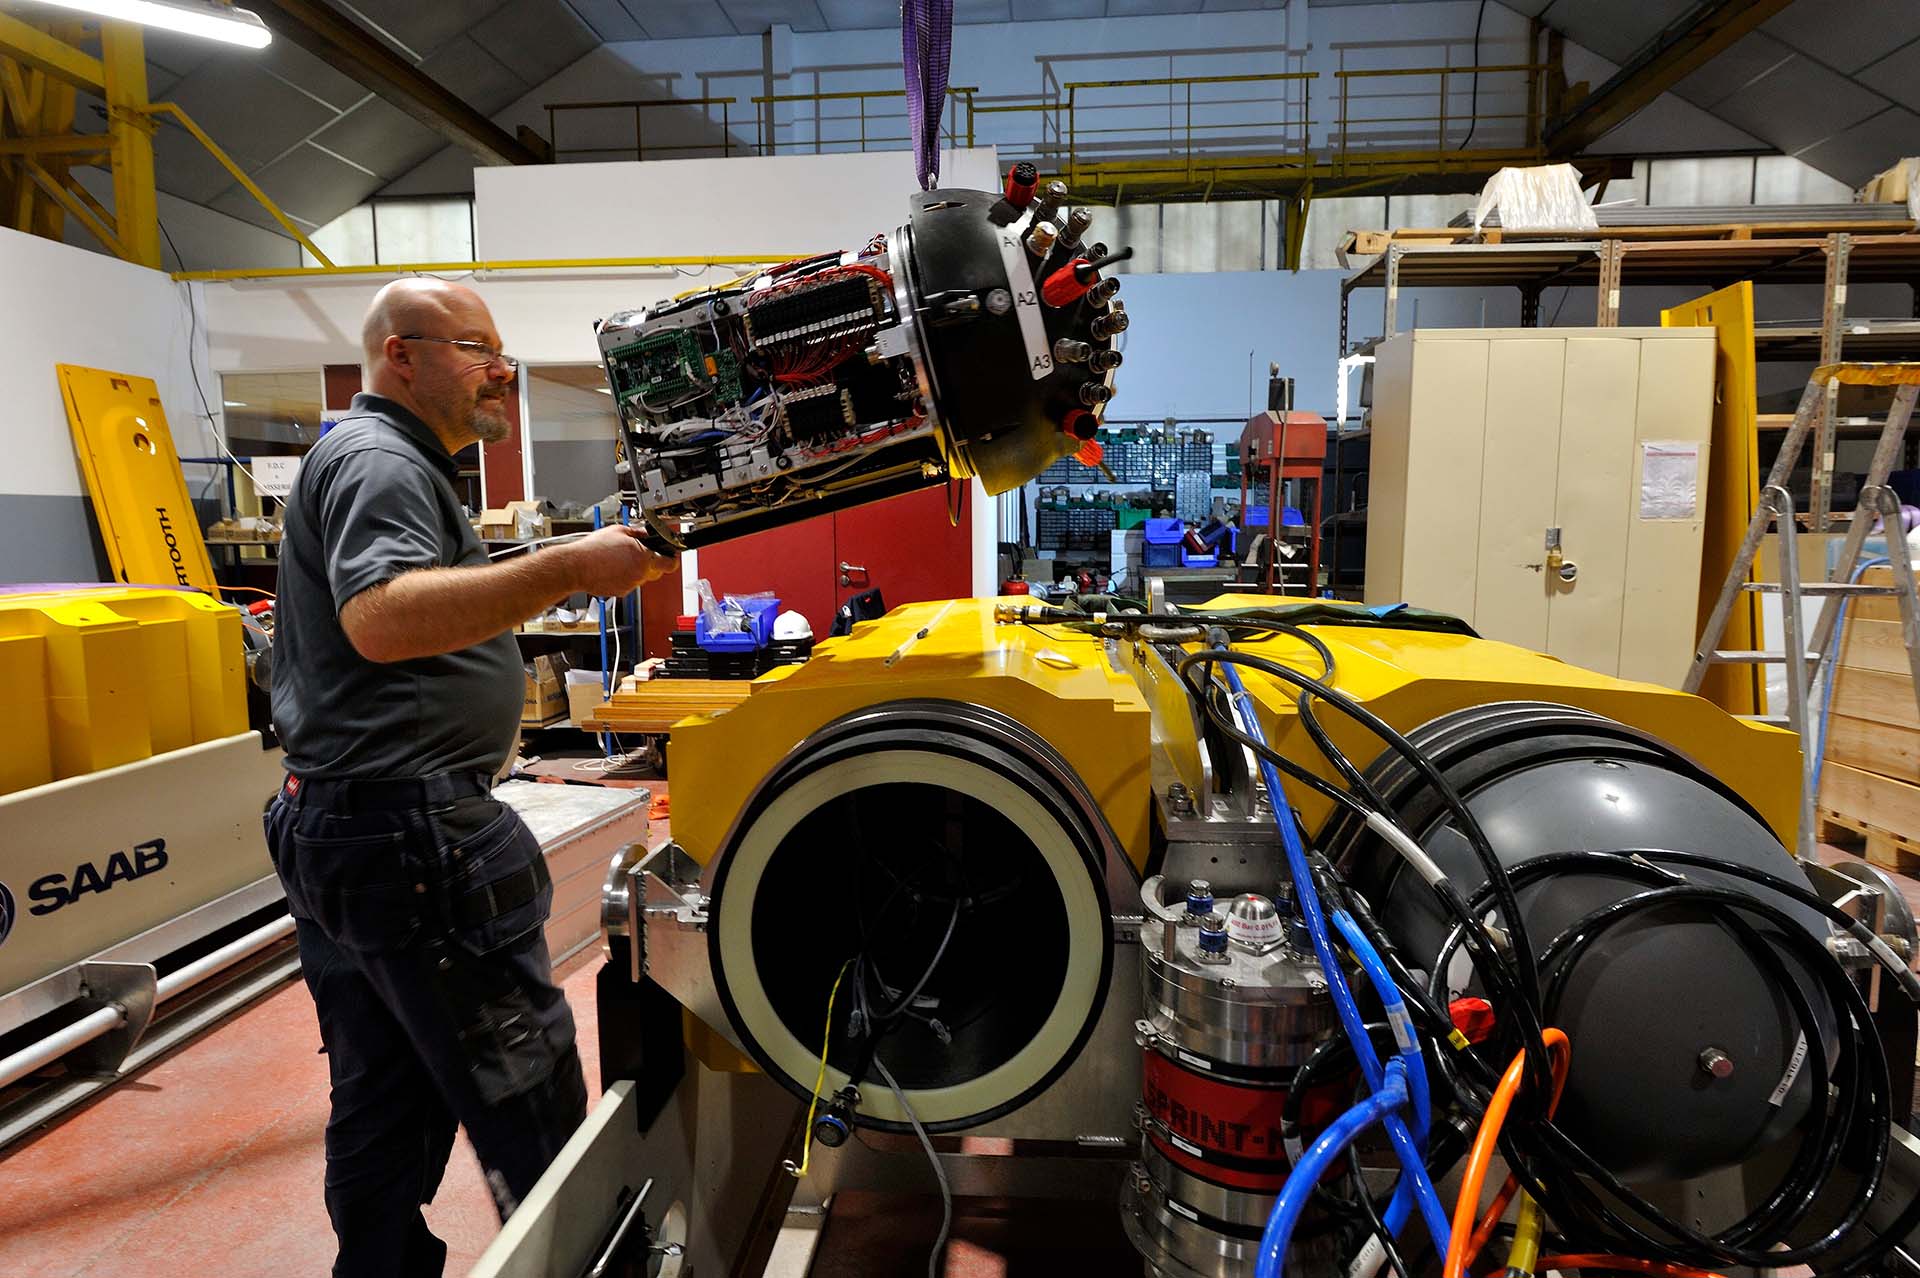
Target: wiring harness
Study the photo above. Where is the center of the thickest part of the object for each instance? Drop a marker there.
(1814, 1215)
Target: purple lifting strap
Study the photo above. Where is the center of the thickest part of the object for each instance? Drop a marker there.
(926, 47)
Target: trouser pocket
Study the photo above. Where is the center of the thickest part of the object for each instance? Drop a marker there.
(493, 967)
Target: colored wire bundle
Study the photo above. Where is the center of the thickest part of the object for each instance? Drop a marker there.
(1604, 1223)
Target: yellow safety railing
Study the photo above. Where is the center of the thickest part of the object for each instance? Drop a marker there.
(1443, 153)
(1295, 128)
(638, 107)
(766, 125)
(495, 265)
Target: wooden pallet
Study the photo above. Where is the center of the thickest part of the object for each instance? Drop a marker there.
(1887, 850)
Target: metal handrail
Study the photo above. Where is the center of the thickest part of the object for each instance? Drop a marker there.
(765, 124)
(1072, 89)
(637, 105)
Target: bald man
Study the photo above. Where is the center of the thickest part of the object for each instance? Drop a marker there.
(420, 899)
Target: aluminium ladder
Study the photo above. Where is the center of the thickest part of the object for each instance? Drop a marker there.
(1806, 661)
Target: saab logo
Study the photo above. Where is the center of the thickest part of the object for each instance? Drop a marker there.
(6, 913)
(54, 891)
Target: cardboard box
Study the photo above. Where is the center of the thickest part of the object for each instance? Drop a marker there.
(546, 693)
(516, 521)
(583, 700)
(1895, 185)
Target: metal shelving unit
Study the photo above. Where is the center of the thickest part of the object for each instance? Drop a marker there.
(1835, 260)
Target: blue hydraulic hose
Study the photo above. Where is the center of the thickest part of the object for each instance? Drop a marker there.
(1396, 1009)
(1313, 1164)
(1397, 1018)
(1416, 1180)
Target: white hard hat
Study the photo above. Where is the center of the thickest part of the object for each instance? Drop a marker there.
(791, 625)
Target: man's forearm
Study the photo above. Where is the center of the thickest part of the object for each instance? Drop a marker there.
(435, 610)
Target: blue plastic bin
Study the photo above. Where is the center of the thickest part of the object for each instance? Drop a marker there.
(1164, 556)
(759, 631)
(1190, 560)
(1256, 517)
(1165, 532)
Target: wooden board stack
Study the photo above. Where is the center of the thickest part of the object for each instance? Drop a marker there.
(1870, 782)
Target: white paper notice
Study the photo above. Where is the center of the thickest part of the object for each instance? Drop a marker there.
(1669, 479)
(274, 476)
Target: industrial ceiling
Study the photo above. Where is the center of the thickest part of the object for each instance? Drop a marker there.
(1837, 85)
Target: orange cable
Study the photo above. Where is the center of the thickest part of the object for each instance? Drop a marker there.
(1632, 1264)
(1461, 1248)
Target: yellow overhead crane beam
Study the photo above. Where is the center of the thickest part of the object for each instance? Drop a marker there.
(42, 66)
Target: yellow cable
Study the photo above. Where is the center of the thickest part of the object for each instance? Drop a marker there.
(1528, 1227)
(806, 1137)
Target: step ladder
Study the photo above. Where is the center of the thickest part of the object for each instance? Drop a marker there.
(1806, 657)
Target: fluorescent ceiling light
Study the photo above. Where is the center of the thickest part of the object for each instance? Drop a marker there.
(233, 403)
(208, 18)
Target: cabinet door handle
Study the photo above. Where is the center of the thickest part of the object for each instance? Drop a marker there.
(846, 573)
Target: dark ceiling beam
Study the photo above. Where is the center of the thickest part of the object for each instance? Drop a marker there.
(1684, 47)
(354, 51)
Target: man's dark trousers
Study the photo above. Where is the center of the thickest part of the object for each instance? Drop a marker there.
(420, 906)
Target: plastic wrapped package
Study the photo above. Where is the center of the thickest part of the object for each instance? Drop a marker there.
(1544, 198)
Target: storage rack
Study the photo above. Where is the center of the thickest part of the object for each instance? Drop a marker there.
(1075, 527)
(1610, 263)
(1136, 461)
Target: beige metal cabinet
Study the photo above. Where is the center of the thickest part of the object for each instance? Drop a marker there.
(1489, 443)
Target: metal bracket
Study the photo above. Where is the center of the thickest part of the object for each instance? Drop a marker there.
(133, 987)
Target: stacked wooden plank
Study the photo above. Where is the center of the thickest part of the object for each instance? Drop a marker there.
(1870, 782)
(655, 705)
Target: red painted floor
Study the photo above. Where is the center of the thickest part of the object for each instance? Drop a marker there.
(210, 1161)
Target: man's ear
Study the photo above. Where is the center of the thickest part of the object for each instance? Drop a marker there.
(398, 355)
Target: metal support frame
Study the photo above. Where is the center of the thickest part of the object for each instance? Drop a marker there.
(1833, 310)
(1390, 320)
(136, 199)
(1676, 52)
(40, 73)
(1607, 294)
(352, 50)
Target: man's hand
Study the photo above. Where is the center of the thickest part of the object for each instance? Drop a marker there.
(612, 561)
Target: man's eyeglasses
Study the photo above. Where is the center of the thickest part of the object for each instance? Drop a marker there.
(479, 350)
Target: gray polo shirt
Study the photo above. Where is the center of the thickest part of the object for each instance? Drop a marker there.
(375, 499)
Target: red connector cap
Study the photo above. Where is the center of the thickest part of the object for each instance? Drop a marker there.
(1070, 283)
(1473, 1017)
(1080, 424)
(1090, 453)
(1021, 179)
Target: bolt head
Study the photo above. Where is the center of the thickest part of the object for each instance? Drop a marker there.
(999, 301)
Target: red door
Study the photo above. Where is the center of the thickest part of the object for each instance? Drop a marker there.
(505, 480)
(795, 562)
(907, 547)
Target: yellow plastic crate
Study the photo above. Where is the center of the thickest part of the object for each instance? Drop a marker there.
(93, 677)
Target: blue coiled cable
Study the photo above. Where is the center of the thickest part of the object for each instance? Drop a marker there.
(1416, 1183)
(1313, 1164)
